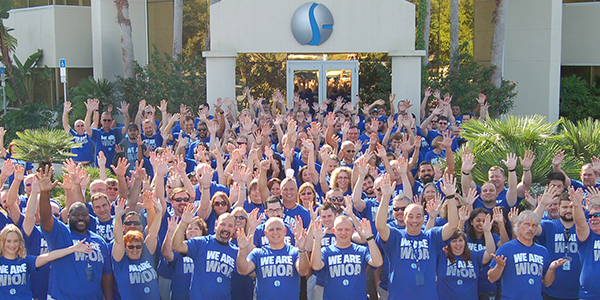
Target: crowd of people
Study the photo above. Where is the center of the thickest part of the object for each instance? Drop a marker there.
(314, 201)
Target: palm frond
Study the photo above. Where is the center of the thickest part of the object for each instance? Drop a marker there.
(44, 145)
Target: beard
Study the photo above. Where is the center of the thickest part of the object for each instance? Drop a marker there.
(566, 219)
(426, 179)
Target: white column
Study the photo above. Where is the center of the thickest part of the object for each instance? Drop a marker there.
(406, 77)
(220, 75)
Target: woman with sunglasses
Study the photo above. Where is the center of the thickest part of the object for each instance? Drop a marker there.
(307, 196)
(244, 284)
(16, 266)
(133, 256)
(459, 268)
(219, 204)
(173, 265)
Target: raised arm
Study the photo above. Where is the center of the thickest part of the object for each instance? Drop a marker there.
(119, 245)
(46, 185)
(556, 162)
(511, 164)
(360, 167)
(490, 247)
(65, 117)
(152, 237)
(178, 244)
(526, 162)
(91, 105)
(387, 190)
(30, 209)
(423, 109)
(204, 181)
(166, 249)
(467, 166)
(449, 189)
(364, 230)
(244, 266)
(581, 224)
(12, 198)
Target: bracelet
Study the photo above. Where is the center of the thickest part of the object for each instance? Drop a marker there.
(301, 251)
(512, 170)
(448, 197)
(525, 170)
(206, 188)
(466, 173)
(370, 238)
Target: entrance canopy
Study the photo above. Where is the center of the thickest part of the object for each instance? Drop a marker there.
(265, 26)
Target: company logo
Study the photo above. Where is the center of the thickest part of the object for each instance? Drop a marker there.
(312, 24)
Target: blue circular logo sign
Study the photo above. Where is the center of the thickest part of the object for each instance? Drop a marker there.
(219, 279)
(531, 281)
(276, 283)
(312, 24)
(345, 282)
(147, 290)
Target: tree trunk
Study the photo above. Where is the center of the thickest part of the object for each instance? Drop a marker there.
(426, 29)
(8, 63)
(454, 30)
(126, 37)
(177, 27)
(499, 21)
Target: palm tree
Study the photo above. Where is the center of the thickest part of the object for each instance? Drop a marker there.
(454, 30)
(8, 42)
(44, 146)
(499, 21)
(126, 37)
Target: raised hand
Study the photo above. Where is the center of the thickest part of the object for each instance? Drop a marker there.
(471, 196)
(44, 179)
(124, 108)
(364, 230)
(449, 186)
(318, 230)
(121, 168)
(527, 159)
(91, 104)
(360, 165)
(101, 159)
(120, 207)
(558, 158)
(500, 260)
(513, 214)
(243, 240)
(498, 216)
(19, 173)
(463, 213)
(387, 187)
(467, 161)
(188, 213)
(511, 161)
(550, 191)
(172, 223)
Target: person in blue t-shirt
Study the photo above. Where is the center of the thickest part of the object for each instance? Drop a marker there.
(84, 153)
(559, 237)
(16, 266)
(522, 265)
(213, 255)
(345, 263)
(459, 268)
(589, 173)
(588, 237)
(273, 209)
(278, 266)
(89, 276)
(104, 220)
(412, 251)
(133, 256)
(173, 265)
(106, 138)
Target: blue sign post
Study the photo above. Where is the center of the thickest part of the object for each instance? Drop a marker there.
(63, 76)
(2, 79)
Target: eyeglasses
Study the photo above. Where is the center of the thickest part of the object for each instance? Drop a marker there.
(220, 203)
(180, 199)
(399, 208)
(350, 150)
(239, 217)
(106, 120)
(306, 194)
(131, 247)
(595, 215)
(56, 215)
(336, 199)
(202, 129)
(116, 189)
(272, 211)
(242, 143)
(28, 184)
(442, 123)
(129, 223)
(378, 189)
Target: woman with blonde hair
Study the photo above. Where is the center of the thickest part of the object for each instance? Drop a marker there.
(307, 196)
(17, 265)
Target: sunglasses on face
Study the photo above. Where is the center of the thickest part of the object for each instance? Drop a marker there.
(595, 215)
(116, 189)
(131, 247)
(399, 208)
(239, 217)
(129, 223)
(378, 189)
(202, 129)
(181, 199)
(106, 120)
(220, 203)
(306, 194)
(336, 199)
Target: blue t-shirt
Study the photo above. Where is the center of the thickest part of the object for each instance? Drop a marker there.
(105, 229)
(68, 278)
(327, 240)
(290, 214)
(154, 141)
(26, 165)
(566, 283)
(136, 278)
(276, 274)
(484, 284)
(180, 272)
(106, 142)
(458, 281)
(214, 188)
(261, 240)
(86, 151)
(345, 272)
(36, 244)
(214, 264)
(589, 251)
(411, 257)
(14, 277)
(524, 270)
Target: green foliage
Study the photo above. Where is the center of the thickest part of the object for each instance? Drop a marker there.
(491, 140)
(195, 27)
(375, 78)
(59, 193)
(439, 37)
(465, 81)
(578, 100)
(262, 72)
(30, 116)
(179, 80)
(582, 138)
(44, 145)
(88, 88)
(26, 74)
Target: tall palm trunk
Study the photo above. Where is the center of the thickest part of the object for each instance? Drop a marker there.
(8, 63)
(499, 21)
(177, 27)
(126, 37)
(454, 30)
(426, 29)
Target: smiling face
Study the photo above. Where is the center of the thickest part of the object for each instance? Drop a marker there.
(79, 219)
(588, 176)
(219, 205)
(193, 230)
(398, 207)
(132, 222)
(79, 127)
(343, 231)
(307, 197)
(413, 218)
(595, 221)
(179, 201)
(429, 192)
(224, 228)
(11, 245)
(527, 229)
(488, 193)
(426, 173)
(458, 245)
(496, 176)
(275, 190)
(565, 210)
(289, 191)
(327, 218)
(133, 249)
(275, 232)
(478, 223)
(102, 209)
